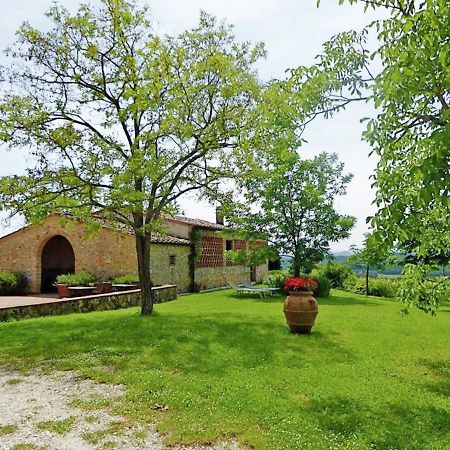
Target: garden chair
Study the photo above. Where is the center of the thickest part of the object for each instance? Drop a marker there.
(238, 288)
(262, 291)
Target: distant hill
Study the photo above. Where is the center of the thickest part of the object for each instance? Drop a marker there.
(342, 257)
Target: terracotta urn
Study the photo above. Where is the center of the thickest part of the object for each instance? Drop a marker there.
(300, 309)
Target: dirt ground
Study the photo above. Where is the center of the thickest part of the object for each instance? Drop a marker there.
(40, 411)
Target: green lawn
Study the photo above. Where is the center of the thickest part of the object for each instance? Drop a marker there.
(212, 366)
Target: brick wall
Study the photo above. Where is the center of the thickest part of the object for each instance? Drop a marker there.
(211, 255)
(107, 253)
(237, 245)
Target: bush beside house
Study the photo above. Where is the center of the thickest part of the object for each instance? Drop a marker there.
(13, 283)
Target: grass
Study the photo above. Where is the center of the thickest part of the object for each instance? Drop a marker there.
(212, 366)
(60, 427)
(14, 381)
(116, 427)
(7, 429)
(27, 447)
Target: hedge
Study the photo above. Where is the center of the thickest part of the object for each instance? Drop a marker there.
(13, 283)
(378, 287)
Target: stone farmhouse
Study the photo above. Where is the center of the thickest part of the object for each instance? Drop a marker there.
(61, 245)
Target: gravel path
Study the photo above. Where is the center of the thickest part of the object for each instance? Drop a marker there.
(37, 412)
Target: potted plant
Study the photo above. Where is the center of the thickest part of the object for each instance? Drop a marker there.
(126, 282)
(300, 307)
(71, 284)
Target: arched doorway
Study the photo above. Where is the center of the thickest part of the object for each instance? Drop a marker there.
(57, 258)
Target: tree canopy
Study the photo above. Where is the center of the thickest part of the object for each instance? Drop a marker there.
(411, 131)
(121, 120)
(291, 202)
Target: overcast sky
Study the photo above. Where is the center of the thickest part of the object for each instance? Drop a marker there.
(293, 32)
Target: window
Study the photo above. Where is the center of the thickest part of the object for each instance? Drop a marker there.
(229, 245)
(172, 260)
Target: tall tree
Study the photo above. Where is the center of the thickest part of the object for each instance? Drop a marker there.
(411, 132)
(291, 202)
(371, 255)
(122, 120)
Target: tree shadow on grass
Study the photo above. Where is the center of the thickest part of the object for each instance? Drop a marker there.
(440, 372)
(399, 426)
(213, 343)
(415, 427)
(257, 299)
(336, 300)
(332, 300)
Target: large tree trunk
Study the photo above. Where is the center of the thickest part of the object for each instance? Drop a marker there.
(143, 257)
(296, 266)
(367, 280)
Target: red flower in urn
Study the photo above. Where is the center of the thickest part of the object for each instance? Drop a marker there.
(300, 284)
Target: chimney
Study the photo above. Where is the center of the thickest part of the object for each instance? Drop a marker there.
(219, 216)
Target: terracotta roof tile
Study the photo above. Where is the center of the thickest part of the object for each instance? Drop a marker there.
(158, 238)
(167, 239)
(197, 222)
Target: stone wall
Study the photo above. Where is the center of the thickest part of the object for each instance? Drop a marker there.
(165, 273)
(261, 271)
(102, 302)
(107, 253)
(214, 277)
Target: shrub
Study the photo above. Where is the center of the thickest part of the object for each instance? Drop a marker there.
(323, 288)
(445, 287)
(130, 278)
(355, 284)
(276, 279)
(13, 283)
(77, 279)
(335, 272)
(383, 287)
(378, 287)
